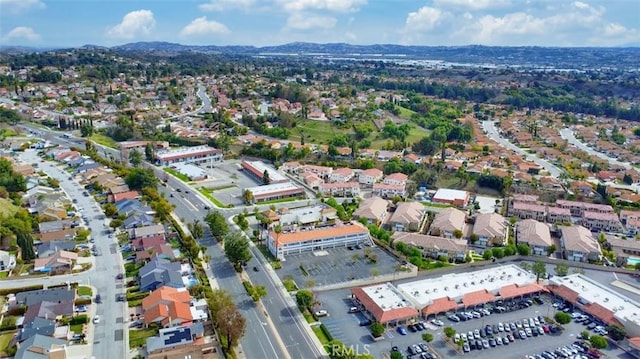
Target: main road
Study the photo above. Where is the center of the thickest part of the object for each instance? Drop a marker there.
(491, 131)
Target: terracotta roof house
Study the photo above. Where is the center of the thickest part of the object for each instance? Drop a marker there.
(370, 176)
(447, 222)
(373, 209)
(578, 244)
(167, 306)
(408, 217)
(396, 179)
(341, 175)
(536, 235)
(491, 229)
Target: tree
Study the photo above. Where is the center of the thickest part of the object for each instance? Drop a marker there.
(473, 238)
(449, 332)
(25, 242)
(562, 269)
(427, 337)
(305, 299)
(265, 177)
(110, 209)
(236, 248)
(86, 130)
(498, 252)
(616, 332)
(135, 157)
(539, 269)
(562, 318)
(487, 254)
(523, 249)
(247, 196)
(396, 355)
(196, 229)
(585, 334)
(598, 341)
(139, 178)
(552, 248)
(218, 224)
(257, 292)
(377, 329)
(219, 299)
(149, 152)
(526, 266)
(457, 233)
(231, 325)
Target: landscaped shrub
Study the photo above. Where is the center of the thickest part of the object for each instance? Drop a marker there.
(79, 319)
(326, 332)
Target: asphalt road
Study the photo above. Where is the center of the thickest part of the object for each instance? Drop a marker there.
(109, 333)
(568, 135)
(490, 128)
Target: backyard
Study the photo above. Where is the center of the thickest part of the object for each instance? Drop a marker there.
(138, 337)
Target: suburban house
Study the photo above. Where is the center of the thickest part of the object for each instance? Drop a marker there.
(432, 246)
(42, 326)
(558, 215)
(399, 179)
(536, 235)
(154, 230)
(408, 217)
(625, 250)
(491, 229)
(370, 176)
(577, 208)
(321, 171)
(578, 244)
(311, 179)
(447, 222)
(117, 197)
(186, 341)
(168, 307)
(527, 210)
(47, 249)
(627, 215)
(344, 174)
(42, 347)
(601, 221)
(7, 261)
(633, 227)
(339, 189)
(160, 272)
(386, 190)
(59, 262)
(373, 209)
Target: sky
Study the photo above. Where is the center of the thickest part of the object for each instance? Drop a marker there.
(71, 23)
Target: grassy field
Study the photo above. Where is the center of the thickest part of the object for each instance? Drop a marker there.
(415, 135)
(7, 208)
(5, 340)
(319, 132)
(104, 140)
(320, 334)
(82, 290)
(405, 112)
(138, 337)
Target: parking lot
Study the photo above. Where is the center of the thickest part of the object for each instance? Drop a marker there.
(345, 326)
(337, 265)
(230, 180)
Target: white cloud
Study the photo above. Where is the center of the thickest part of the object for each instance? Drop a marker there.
(350, 36)
(426, 18)
(202, 26)
(302, 21)
(22, 33)
(471, 4)
(135, 23)
(329, 5)
(221, 5)
(16, 6)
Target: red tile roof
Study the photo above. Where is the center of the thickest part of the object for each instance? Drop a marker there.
(601, 312)
(478, 297)
(381, 315)
(440, 305)
(513, 290)
(564, 292)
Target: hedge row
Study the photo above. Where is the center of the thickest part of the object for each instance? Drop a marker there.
(326, 332)
(7, 291)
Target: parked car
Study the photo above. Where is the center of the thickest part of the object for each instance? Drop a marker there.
(322, 313)
(437, 322)
(402, 331)
(96, 319)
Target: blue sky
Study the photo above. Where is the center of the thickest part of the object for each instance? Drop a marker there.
(273, 22)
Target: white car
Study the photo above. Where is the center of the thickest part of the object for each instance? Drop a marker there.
(437, 322)
(96, 319)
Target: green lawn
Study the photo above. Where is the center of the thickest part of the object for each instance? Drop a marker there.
(76, 328)
(177, 174)
(7, 208)
(82, 290)
(131, 269)
(138, 337)
(5, 340)
(282, 200)
(4, 275)
(104, 140)
(405, 112)
(320, 334)
(319, 132)
(415, 134)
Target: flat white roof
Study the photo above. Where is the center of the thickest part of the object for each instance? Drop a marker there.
(456, 285)
(303, 215)
(190, 170)
(274, 175)
(273, 188)
(386, 296)
(185, 151)
(450, 194)
(625, 309)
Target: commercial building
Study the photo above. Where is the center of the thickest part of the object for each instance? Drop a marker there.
(600, 301)
(464, 290)
(451, 196)
(385, 303)
(198, 154)
(307, 240)
(276, 191)
(257, 169)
